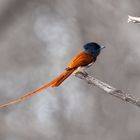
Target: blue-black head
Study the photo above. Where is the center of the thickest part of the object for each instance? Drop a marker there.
(93, 48)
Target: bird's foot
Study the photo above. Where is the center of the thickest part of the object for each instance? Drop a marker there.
(80, 71)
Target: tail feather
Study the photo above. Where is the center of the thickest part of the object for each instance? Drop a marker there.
(62, 77)
(56, 82)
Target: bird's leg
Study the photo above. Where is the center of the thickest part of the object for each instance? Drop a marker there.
(80, 70)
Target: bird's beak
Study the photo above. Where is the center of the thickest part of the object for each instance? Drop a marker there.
(102, 47)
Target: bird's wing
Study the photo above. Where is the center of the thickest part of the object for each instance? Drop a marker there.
(81, 59)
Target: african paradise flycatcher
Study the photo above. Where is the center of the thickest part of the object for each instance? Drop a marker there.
(82, 60)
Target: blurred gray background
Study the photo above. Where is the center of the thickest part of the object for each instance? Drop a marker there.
(37, 39)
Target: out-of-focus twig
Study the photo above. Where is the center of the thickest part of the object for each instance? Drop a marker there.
(109, 89)
(134, 19)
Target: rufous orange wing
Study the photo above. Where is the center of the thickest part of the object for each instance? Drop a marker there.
(81, 59)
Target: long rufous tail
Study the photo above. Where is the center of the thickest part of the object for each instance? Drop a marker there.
(54, 83)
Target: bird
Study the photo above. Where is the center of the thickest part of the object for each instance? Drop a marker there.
(78, 63)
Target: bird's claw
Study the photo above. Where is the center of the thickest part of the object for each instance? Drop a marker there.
(80, 74)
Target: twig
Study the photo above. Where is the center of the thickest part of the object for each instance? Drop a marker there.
(109, 89)
(134, 19)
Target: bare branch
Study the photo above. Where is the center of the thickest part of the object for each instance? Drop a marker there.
(134, 19)
(109, 89)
